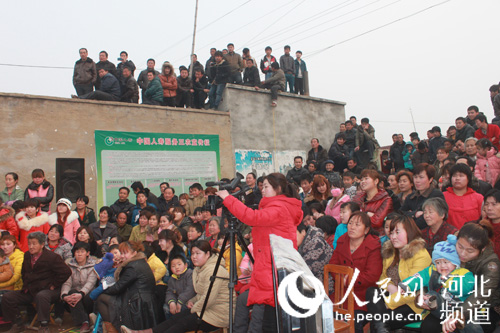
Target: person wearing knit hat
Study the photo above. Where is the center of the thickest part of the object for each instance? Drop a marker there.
(446, 281)
(67, 218)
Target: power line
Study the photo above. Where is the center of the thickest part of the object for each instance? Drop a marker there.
(202, 28)
(375, 29)
(35, 66)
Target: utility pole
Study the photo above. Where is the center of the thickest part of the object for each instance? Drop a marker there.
(194, 39)
(413, 121)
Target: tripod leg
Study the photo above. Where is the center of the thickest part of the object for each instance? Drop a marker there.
(244, 246)
(275, 290)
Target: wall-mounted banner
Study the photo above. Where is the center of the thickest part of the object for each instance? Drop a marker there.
(152, 158)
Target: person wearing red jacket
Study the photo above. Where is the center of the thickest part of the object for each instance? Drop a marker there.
(8, 222)
(488, 131)
(464, 203)
(360, 249)
(374, 200)
(279, 213)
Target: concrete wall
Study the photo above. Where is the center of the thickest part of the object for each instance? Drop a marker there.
(289, 126)
(37, 130)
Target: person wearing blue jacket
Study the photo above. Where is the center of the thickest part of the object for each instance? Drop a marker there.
(407, 154)
(109, 90)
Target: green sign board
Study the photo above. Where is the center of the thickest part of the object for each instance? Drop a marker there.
(152, 158)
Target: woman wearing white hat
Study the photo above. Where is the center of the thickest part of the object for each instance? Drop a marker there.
(67, 218)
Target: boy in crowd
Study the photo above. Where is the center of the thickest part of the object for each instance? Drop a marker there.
(306, 182)
(251, 77)
(287, 64)
(349, 186)
(180, 287)
(300, 68)
(266, 62)
(195, 232)
(197, 198)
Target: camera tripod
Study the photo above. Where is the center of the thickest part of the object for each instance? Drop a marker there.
(232, 232)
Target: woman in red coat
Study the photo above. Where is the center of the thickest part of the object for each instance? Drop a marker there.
(464, 203)
(360, 248)
(374, 200)
(279, 213)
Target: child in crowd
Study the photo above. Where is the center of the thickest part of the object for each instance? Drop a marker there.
(446, 281)
(30, 221)
(346, 210)
(338, 198)
(246, 268)
(86, 215)
(198, 216)
(180, 287)
(66, 218)
(40, 189)
(227, 251)
(159, 271)
(195, 232)
(139, 232)
(19, 206)
(124, 229)
(7, 221)
(487, 163)
(106, 271)
(197, 198)
(183, 199)
(154, 226)
(387, 227)
(407, 155)
(349, 186)
(6, 270)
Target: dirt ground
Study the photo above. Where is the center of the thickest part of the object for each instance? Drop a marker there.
(66, 325)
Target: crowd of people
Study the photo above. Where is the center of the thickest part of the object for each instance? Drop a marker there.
(422, 216)
(105, 81)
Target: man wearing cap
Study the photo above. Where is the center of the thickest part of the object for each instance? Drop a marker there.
(437, 141)
(130, 93)
(84, 74)
(332, 176)
(109, 91)
(184, 88)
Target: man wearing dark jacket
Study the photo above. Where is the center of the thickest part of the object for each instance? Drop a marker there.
(287, 64)
(210, 62)
(293, 175)
(317, 153)
(138, 187)
(464, 130)
(436, 142)
(184, 88)
(220, 72)
(197, 66)
(106, 64)
(200, 89)
(122, 205)
(124, 63)
(130, 92)
(109, 91)
(143, 80)
(251, 77)
(167, 200)
(84, 74)
(236, 64)
(339, 153)
(154, 92)
(350, 137)
(43, 273)
(396, 152)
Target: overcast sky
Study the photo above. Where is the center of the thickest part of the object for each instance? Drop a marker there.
(436, 62)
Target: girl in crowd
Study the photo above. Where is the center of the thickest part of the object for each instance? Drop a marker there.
(152, 231)
(320, 190)
(216, 313)
(103, 230)
(57, 243)
(83, 234)
(338, 198)
(403, 256)
(8, 244)
(139, 232)
(488, 163)
(404, 180)
(464, 203)
(40, 189)
(183, 199)
(130, 301)
(424, 189)
(166, 222)
(436, 215)
(66, 218)
(182, 221)
(374, 200)
(12, 191)
(360, 248)
(346, 210)
(75, 291)
(169, 245)
(441, 155)
(31, 220)
(279, 213)
(476, 254)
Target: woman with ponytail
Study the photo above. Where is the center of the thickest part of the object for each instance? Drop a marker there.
(279, 213)
(475, 250)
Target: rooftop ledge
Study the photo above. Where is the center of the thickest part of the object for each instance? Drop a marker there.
(251, 89)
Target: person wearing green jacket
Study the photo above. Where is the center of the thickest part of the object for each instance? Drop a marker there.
(154, 93)
(12, 191)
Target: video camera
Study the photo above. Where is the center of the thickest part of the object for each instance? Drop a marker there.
(214, 202)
